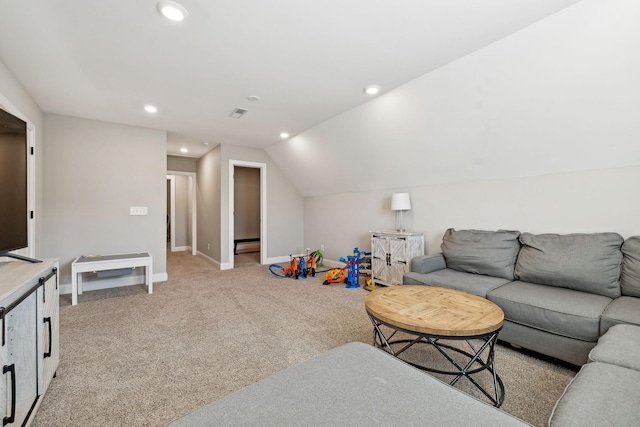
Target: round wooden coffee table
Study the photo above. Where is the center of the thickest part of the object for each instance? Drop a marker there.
(432, 315)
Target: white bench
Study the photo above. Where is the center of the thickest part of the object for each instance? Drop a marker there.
(94, 263)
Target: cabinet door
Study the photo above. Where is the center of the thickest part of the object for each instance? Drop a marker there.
(379, 247)
(5, 376)
(50, 330)
(380, 270)
(379, 259)
(22, 358)
(398, 249)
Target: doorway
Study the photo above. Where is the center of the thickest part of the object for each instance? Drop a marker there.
(247, 210)
(182, 228)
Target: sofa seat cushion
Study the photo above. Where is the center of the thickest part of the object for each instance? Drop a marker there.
(476, 284)
(630, 282)
(352, 385)
(619, 346)
(600, 395)
(492, 253)
(565, 312)
(584, 262)
(621, 310)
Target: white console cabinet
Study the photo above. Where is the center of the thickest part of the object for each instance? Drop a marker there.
(391, 253)
(29, 351)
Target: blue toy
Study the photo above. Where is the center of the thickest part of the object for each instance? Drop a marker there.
(353, 272)
(352, 267)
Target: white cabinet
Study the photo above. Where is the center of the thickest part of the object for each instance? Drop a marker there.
(391, 254)
(29, 348)
(51, 330)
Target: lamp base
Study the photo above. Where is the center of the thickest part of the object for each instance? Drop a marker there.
(401, 228)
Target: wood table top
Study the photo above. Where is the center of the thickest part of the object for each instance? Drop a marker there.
(434, 311)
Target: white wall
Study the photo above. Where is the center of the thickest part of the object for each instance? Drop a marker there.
(182, 218)
(208, 203)
(560, 95)
(93, 173)
(573, 202)
(284, 204)
(182, 164)
(536, 132)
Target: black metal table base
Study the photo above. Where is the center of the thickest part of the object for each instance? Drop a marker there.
(485, 346)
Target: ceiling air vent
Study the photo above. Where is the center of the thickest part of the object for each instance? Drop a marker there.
(237, 113)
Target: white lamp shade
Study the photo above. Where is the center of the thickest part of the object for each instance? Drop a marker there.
(400, 202)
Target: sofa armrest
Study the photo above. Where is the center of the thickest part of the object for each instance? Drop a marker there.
(428, 263)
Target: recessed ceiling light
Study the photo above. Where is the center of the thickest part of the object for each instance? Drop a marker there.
(150, 109)
(172, 10)
(205, 142)
(184, 150)
(372, 89)
(284, 135)
(253, 98)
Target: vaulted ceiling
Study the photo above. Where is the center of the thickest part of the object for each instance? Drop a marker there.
(306, 61)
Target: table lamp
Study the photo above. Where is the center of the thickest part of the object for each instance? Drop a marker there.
(400, 202)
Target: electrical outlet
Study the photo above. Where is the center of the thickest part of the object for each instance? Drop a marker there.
(208, 246)
(321, 248)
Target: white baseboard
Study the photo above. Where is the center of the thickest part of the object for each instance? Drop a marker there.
(278, 260)
(209, 259)
(181, 248)
(116, 282)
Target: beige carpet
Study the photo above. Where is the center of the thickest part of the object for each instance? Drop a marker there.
(133, 359)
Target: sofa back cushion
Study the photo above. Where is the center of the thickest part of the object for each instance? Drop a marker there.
(584, 262)
(630, 282)
(492, 253)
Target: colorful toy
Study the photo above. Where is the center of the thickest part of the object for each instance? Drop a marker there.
(353, 268)
(299, 267)
(369, 286)
(350, 273)
(335, 275)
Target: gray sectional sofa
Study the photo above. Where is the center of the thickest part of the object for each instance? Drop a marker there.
(574, 297)
(559, 293)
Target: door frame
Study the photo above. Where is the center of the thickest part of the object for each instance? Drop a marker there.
(30, 250)
(263, 206)
(192, 208)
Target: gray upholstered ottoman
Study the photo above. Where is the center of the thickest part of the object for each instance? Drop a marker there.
(352, 385)
(600, 395)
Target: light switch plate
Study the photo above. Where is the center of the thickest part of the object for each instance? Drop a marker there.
(138, 210)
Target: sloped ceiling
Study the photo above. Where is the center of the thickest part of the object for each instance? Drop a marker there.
(558, 96)
(307, 61)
